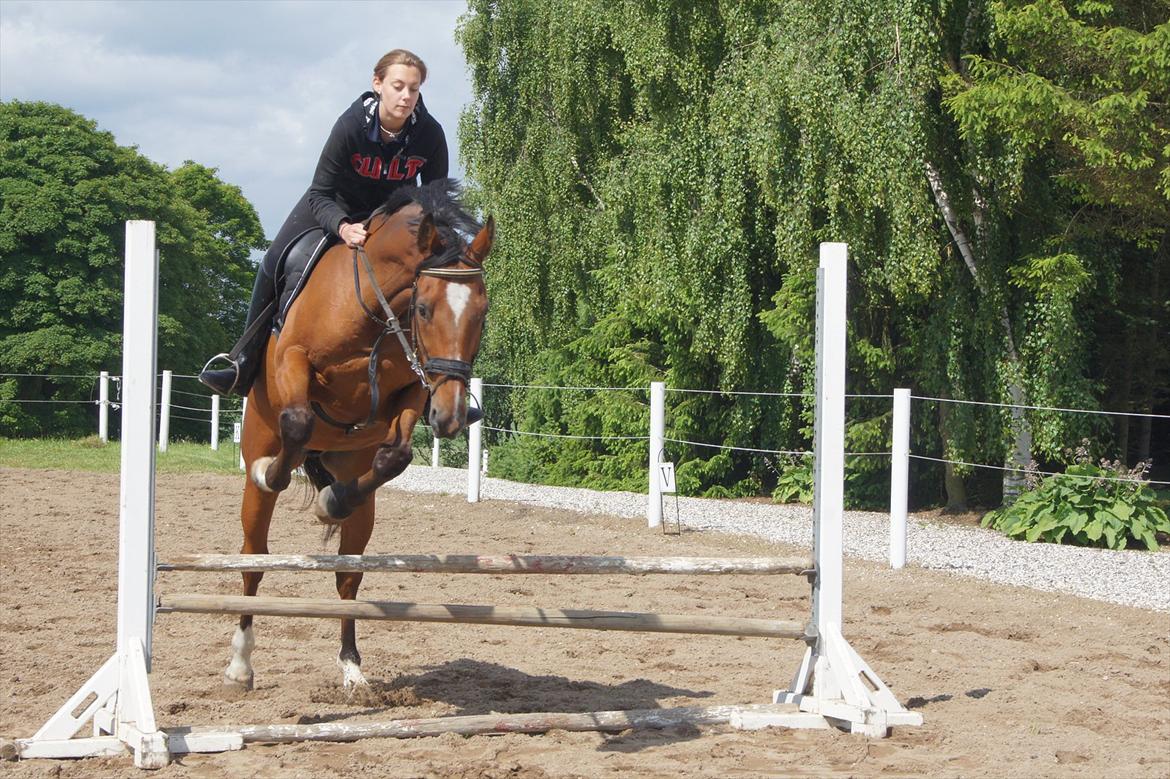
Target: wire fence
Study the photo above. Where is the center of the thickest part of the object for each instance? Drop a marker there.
(229, 415)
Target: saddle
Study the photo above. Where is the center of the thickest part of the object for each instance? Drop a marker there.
(295, 266)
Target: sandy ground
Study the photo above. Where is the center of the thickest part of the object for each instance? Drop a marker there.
(1011, 682)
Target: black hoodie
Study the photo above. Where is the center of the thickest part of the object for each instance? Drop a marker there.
(357, 171)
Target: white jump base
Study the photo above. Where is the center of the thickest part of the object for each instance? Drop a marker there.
(832, 685)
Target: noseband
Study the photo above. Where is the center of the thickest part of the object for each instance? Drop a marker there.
(454, 369)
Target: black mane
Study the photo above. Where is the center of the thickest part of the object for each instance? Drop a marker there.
(442, 200)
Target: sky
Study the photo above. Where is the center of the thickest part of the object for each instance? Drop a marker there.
(249, 87)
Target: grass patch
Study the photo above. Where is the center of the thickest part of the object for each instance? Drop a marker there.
(90, 454)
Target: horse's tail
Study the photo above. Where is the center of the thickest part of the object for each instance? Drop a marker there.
(319, 478)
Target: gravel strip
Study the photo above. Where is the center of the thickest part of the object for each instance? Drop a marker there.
(1129, 578)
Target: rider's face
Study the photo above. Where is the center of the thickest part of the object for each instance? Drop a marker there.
(399, 93)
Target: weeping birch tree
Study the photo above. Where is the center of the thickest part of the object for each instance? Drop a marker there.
(663, 171)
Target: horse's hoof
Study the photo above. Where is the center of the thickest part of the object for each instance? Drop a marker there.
(352, 677)
(259, 470)
(329, 509)
(242, 684)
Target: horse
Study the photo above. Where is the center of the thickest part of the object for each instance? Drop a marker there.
(333, 398)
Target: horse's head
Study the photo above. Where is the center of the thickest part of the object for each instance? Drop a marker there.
(450, 304)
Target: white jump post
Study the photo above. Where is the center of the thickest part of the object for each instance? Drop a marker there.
(474, 444)
(899, 477)
(657, 442)
(117, 697)
(164, 418)
(104, 407)
(829, 679)
(215, 423)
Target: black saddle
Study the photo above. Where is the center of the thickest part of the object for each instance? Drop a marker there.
(298, 262)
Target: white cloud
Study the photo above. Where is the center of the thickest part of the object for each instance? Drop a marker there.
(250, 88)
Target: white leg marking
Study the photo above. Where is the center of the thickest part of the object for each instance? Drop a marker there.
(259, 467)
(239, 670)
(351, 674)
(457, 297)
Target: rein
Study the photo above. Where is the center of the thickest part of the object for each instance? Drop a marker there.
(456, 369)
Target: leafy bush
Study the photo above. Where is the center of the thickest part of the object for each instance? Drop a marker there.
(1087, 505)
(795, 482)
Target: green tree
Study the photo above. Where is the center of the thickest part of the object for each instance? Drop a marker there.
(1064, 136)
(663, 171)
(67, 189)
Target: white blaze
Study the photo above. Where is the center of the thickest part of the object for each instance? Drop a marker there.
(457, 297)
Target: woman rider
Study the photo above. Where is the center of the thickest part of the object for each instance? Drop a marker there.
(385, 140)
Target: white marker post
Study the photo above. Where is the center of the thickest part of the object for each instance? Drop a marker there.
(104, 407)
(899, 477)
(435, 453)
(215, 423)
(657, 436)
(474, 445)
(240, 440)
(164, 419)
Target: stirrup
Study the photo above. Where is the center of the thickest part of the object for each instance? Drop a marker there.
(235, 366)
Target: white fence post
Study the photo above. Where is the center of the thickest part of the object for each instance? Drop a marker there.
(164, 419)
(657, 434)
(435, 453)
(243, 416)
(474, 444)
(215, 423)
(104, 407)
(899, 477)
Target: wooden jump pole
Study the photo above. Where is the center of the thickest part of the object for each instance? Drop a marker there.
(744, 717)
(517, 616)
(498, 564)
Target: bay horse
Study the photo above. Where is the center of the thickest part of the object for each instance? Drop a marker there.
(376, 336)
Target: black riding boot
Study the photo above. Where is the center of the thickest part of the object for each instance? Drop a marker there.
(239, 376)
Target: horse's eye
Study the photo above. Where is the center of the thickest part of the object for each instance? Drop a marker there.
(424, 311)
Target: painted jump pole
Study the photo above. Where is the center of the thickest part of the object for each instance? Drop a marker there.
(493, 564)
(104, 407)
(455, 613)
(498, 724)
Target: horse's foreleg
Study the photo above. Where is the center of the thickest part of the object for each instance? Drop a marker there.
(256, 517)
(273, 474)
(355, 534)
(337, 501)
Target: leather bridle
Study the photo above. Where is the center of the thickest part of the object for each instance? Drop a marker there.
(434, 266)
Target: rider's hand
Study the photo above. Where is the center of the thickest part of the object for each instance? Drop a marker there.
(354, 235)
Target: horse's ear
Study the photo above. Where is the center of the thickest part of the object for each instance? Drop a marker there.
(482, 244)
(428, 236)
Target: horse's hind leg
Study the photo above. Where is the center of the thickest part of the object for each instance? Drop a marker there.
(296, 420)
